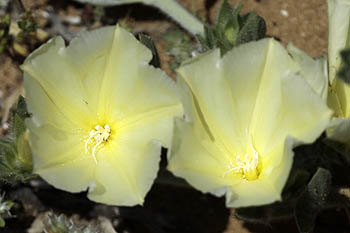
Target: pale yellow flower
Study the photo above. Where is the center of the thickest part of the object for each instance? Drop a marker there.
(338, 91)
(100, 115)
(244, 114)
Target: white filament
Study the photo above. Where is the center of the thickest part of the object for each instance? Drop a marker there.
(249, 164)
(97, 136)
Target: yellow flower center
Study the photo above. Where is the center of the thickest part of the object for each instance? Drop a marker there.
(97, 136)
(246, 165)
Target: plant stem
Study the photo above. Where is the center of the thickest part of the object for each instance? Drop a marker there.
(178, 13)
(109, 2)
(170, 7)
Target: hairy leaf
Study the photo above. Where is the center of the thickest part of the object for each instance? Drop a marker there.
(313, 200)
(232, 29)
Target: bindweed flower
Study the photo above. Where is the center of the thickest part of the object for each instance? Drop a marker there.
(100, 114)
(338, 91)
(243, 115)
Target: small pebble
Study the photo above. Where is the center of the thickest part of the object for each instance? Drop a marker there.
(5, 126)
(284, 13)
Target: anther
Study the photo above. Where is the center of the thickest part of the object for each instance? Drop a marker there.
(245, 164)
(97, 136)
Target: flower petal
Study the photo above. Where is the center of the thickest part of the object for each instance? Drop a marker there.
(268, 188)
(113, 184)
(73, 175)
(252, 193)
(122, 75)
(197, 164)
(70, 170)
(286, 105)
(214, 98)
(46, 112)
(313, 70)
(194, 162)
(49, 145)
(338, 33)
(58, 79)
(128, 167)
(254, 81)
(300, 114)
(88, 54)
(152, 91)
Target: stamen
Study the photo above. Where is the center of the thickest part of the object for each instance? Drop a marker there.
(97, 136)
(246, 165)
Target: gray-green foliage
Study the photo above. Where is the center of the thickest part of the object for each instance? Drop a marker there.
(178, 46)
(15, 153)
(62, 224)
(313, 200)
(232, 29)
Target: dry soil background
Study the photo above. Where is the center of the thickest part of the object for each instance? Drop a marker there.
(301, 22)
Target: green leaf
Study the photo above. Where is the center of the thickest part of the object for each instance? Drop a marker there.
(228, 23)
(21, 108)
(312, 200)
(254, 28)
(210, 35)
(232, 29)
(18, 126)
(297, 180)
(15, 153)
(203, 45)
(2, 222)
(147, 41)
(344, 72)
(8, 152)
(225, 14)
